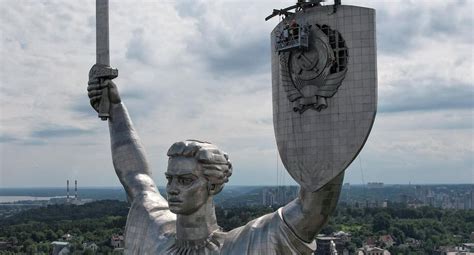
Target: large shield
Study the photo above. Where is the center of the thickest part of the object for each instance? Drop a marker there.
(324, 79)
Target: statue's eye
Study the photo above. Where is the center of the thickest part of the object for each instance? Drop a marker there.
(185, 181)
(168, 178)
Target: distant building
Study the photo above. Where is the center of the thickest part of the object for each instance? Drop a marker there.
(459, 203)
(453, 250)
(371, 204)
(323, 245)
(344, 236)
(6, 245)
(91, 246)
(430, 200)
(375, 185)
(279, 195)
(415, 204)
(268, 197)
(404, 199)
(412, 242)
(371, 250)
(60, 248)
(386, 241)
(117, 241)
(467, 201)
(370, 241)
(472, 198)
(67, 237)
(73, 201)
(469, 246)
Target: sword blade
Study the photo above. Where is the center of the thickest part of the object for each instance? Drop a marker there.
(102, 32)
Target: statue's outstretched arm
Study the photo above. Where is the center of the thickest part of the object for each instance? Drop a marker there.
(307, 214)
(128, 153)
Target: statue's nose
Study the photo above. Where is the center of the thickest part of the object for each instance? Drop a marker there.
(172, 189)
(173, 192)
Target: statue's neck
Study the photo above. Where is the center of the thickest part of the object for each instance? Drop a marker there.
(199, 225)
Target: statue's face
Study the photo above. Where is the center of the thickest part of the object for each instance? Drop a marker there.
(187, 187)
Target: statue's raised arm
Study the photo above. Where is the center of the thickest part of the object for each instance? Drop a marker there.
(128, 153)
(310, 211)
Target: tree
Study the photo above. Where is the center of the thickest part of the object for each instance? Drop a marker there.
(31, 249)
(328, 229)
(51, 235)
(13, 239)
(399, 235)
(38, 236)
(88, 252)
(381, 221)
(60, 232)
(44, 248)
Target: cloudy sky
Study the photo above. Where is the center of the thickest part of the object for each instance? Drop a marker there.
(201, 69)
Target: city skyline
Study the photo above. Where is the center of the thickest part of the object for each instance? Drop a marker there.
(422, 133)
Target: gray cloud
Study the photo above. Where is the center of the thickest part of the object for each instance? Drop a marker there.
(395, 34)
(34, 142)
(443, 23)
(466, 124)
(82, 106)
(7, 139)
(134, 94)
(247, 58)
(398, 32)
(141, 103)
(267, 121)
(137, 49)
(409, 97)
(225, 43)
(58, 132)
(189, 8)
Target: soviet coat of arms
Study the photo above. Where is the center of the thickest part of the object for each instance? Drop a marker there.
(312, 74)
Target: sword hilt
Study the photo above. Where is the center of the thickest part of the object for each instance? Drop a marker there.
(102, 73)
(104, 105)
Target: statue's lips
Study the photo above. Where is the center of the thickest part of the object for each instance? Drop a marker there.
(174, 201)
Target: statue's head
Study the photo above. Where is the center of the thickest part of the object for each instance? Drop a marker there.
(196, 172)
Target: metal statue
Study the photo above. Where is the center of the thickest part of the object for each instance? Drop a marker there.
(185, 222)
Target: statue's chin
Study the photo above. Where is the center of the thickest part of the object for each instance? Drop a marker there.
(175, 207)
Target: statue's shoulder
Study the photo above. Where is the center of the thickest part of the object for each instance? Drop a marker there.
(254, 227)
(149, 223)
(150, 206)
(268, 234)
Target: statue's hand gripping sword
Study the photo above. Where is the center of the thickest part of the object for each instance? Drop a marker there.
(102, 70)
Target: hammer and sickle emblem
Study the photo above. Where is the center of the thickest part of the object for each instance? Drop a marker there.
(310, 64)
(307, 63)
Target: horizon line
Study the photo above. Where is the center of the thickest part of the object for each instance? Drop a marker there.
(235, 185)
